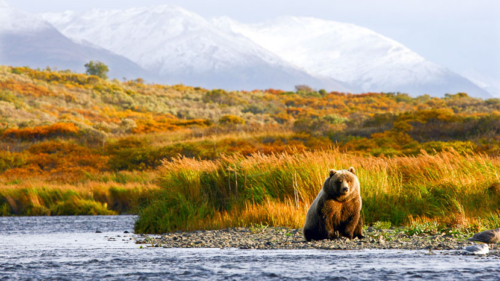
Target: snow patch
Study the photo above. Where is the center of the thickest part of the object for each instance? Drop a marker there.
(14, 20)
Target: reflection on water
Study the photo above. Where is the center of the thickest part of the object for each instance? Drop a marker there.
(65, 224)
(69, 248)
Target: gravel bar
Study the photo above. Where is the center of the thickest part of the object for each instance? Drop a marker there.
(268, 238)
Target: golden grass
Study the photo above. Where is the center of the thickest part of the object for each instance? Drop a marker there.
(194, 135)
(447, 187)
(33, 197)
(270, 213)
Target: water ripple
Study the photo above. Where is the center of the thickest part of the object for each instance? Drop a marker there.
(35, 248)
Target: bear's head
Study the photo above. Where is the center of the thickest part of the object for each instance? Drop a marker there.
(342, 185)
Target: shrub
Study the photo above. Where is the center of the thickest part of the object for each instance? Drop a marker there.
(9, 97)
(42, 132)
(133, 153)
(231, 120)
(222, 97)
(79, 206)
(10, 160)
(254, 108)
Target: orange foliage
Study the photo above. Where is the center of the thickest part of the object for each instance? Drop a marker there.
(274, 92)
(42, 132)
(167, 122)
(63, 77)
(25, 89)
(59, 161)
(298, 112)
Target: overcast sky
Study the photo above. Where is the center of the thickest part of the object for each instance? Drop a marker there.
(461, 35)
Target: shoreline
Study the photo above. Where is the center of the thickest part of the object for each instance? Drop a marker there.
(270, 238)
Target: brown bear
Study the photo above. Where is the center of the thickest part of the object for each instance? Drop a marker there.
(336, 210)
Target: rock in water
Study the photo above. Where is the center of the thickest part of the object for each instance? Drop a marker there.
(477, 249)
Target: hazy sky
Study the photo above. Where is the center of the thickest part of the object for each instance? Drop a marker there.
(461, 35)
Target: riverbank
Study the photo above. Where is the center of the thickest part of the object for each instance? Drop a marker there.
(268, 238)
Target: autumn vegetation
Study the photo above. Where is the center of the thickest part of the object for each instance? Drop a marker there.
(189, 158)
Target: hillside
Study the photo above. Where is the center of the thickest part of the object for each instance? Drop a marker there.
(102, 111)
(77, 144)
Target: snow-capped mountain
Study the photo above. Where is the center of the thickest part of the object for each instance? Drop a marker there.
(352, 54)
(13, 20)
(184, 47)
(28, 40)
(179, 46)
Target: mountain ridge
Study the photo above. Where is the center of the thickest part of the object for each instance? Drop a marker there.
(190, 50)
(169, 44)
(332, 49)
(26, 39)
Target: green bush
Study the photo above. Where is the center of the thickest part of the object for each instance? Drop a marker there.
(254, 108)
(382, 224)
(133, 153)
(222, 97)
(10, 160)
(78, 206)
(231, 119)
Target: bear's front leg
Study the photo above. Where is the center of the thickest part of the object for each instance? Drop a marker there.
(358, 231)
(331, 232)
(351, 226)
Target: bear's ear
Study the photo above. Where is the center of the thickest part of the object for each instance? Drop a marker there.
(332, 172)
(352, 170)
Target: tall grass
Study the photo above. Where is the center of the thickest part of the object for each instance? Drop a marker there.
(39, 198)
(448, 187)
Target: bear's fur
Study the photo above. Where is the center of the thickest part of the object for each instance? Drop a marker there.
(336, 210)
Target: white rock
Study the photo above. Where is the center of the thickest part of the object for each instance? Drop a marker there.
(477, 249)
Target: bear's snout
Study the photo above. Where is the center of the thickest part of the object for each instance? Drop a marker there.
(344, 187)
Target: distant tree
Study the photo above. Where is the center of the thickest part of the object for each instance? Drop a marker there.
(456, 96)
(303, 88)
(97, 68)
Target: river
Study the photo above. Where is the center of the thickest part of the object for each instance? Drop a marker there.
(68, 248)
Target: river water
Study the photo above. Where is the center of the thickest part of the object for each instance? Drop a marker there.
(69, 248)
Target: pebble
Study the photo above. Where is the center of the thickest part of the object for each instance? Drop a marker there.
(286, 238)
